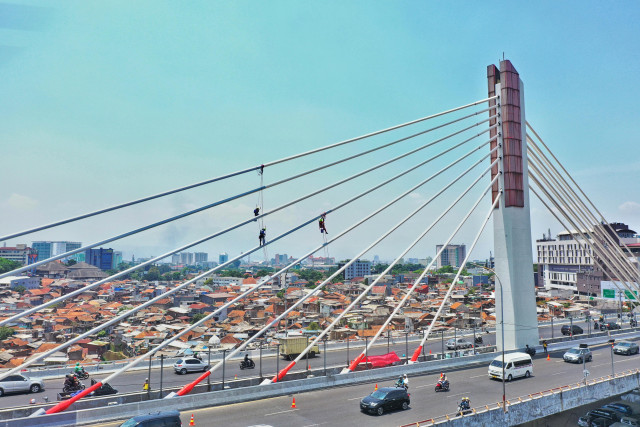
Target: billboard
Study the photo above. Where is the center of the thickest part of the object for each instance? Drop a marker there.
(609, 290)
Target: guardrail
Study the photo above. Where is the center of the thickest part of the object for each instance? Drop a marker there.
(499, 416)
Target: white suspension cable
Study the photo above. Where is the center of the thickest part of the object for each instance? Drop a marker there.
(260, 190)
(617, 283)
(602, 218)
(564, 187)
(605, 235)
(340, 270)
(164, 295)
(462, 265)
(282, 373)
(240, 172)
(596, 246)
(260, 284)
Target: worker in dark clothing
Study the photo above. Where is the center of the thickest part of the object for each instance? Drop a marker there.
(256, 212)
(321, 224)
(262, 236)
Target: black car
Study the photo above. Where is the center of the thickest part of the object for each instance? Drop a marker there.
(164, 419)
(571, 330)
(385, 399)
(591, 416)
(609, 325)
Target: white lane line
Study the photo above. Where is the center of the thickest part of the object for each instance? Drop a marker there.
(558, 373)
(357, 398)
(281, 412)
(459, 394)
(426, 385)
(478, 376)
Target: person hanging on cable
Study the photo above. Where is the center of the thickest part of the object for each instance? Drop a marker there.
(262, 236)
(321, 224)
(256, 212)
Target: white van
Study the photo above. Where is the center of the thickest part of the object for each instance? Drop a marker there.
(516, 365)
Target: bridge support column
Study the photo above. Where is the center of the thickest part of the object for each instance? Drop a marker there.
(516, 309)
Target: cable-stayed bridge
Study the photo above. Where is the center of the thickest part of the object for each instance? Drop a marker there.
(481, 158)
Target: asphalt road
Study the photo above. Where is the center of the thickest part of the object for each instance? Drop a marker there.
(133, 381)
(340, 406)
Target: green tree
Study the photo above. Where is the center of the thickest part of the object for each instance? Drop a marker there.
(101, 334)
(280, 294)
(71, 262)
(6, 332)
(264, 272)
(152, 274)
(208, 282)
(313, 326)
(19, 289)
(8, 265)
(445, 269)
(196, 317)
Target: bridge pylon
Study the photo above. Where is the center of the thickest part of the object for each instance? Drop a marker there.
(515, 288)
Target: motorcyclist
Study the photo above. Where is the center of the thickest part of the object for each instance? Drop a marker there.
(78, 369)
(68, 381)
(405, 381)
(465, 404)
(246, 358)
(443, 377)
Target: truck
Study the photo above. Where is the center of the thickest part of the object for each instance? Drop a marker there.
(291, 347)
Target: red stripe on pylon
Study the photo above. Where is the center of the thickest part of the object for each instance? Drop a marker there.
(283, 372)
(416, 354)
(187, 389)
(356, 361)
(66, 403)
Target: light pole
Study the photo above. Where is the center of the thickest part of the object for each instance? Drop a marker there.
(613, 372)
(504, 388)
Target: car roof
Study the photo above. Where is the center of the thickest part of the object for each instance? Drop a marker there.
(387, 389)
(156, 415)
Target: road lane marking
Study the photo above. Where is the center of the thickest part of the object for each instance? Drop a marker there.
(281, 412)
(558, 373)
(459, 394)
(356, 398)
(478, 376)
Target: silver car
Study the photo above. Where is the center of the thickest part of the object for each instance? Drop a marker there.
(20, 384)
(578, 355)
(189, 364)
(458, 343)
(626, 347)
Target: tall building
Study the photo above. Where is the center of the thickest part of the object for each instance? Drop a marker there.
(117, 259)
(201, 257)
(452, 255)
(101, 258)
(186, 258)
(223, 257)
(47, 249)
(357, 269)
(20, 253)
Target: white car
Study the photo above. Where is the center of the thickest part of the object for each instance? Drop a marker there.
(189, 364)
(20, 384)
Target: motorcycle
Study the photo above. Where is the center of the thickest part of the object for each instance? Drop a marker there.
(67, 388)
(530, 351)
(478, 340)
(464, 407)
(82, 375)
(248, 364)
(442, 386)
(400, 383)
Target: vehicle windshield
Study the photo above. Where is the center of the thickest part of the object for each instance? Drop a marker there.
(497, 363)
(379, 394)
(129, 423)
(179, 361)
(624, 344)
(574, 351)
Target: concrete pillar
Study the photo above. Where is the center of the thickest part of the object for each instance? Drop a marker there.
(511, 219)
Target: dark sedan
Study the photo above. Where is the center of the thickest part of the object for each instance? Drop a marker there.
(609, 326)
(625, 347)
(385, 399)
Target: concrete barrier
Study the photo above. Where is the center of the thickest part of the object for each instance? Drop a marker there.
(539, 405)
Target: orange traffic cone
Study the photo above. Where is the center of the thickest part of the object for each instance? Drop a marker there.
(548, 356)
(293, 403)
(191, 422)
(376, 389)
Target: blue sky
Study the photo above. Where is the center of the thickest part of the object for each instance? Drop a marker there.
(103, 102)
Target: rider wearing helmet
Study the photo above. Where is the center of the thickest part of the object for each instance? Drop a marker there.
(405, 381)
(78, 369)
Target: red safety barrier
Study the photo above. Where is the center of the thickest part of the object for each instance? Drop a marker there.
(187, 388)
(283, 372)
(66, 403)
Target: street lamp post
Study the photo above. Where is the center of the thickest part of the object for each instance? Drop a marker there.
(260, 360)
(613, 372)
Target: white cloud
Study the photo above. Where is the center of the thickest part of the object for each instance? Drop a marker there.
(630, 208)
(20, 202)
